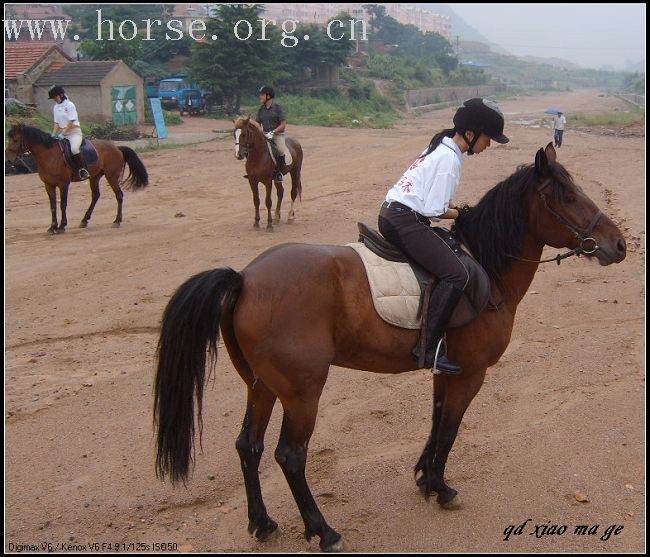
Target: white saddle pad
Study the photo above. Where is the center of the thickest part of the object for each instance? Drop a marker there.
(395, 290)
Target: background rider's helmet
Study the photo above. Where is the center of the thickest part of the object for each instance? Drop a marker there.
(266, 90)
(54, 91)
(481, 116)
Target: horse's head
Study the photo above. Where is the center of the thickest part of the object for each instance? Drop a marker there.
(562, 215)
(16, 146)
(245, 134)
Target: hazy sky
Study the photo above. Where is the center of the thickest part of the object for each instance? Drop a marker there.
(591, 35)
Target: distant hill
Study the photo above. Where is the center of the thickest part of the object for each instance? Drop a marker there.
(557, 62)
(460, 28)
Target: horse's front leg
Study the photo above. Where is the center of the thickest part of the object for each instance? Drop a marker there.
(279, 188)
(51, 194)
(269, 203)
(456, 394)
(94, 192)
(256, 201)
(64, 207)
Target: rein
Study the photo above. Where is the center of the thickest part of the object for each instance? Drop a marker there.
(582, 235)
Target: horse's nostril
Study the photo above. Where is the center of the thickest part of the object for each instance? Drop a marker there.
(621, 246)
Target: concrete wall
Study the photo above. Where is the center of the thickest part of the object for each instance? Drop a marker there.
(435, 95)
(86, 99)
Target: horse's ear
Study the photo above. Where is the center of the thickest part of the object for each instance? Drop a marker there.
(541, 163)
(551, 153)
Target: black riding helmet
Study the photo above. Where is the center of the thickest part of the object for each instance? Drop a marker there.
(54, 91)
(480, 116)
(266, 90)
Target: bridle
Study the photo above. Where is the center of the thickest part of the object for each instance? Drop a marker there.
(23, 148)
(583, 235)
(247, 146)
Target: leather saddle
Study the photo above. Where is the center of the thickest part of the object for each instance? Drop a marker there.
(477, 293)
(87, 150)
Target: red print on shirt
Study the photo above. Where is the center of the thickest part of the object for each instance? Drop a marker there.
(416, 163)
(406, 185)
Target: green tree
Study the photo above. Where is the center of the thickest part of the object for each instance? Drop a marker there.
(232, 66)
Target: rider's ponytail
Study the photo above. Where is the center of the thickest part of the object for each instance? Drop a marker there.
(437, 139)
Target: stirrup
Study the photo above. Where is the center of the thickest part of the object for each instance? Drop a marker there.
(444, 366)
(84, 174)
(279, 177)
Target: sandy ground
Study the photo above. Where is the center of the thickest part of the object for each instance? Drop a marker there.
(560, 417)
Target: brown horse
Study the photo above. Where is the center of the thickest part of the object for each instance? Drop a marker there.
(251, 144)
(55, 173)
(297, 309)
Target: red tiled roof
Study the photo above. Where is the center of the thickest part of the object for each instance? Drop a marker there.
(20, 57)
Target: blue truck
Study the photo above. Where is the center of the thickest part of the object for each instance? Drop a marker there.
(175, 91)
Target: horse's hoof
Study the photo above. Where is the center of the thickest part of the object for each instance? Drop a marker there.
(83, 224)
(115, 225)
(269, 228)
(452, 505)
(336, 547)
(60, 230)
(52, 230)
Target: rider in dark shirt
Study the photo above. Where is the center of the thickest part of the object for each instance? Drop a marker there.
(271, 117)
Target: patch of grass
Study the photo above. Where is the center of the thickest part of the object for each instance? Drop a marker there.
(614, 119)
(335, 109)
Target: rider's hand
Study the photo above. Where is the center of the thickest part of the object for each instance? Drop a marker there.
(268, 135)
(463, 211)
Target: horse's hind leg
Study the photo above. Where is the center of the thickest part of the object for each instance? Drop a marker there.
(94, 192)
(250, 446)
(279, 188)
(296, 186)
(291, 454)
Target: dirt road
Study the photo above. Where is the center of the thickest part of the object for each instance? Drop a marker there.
(555, 437)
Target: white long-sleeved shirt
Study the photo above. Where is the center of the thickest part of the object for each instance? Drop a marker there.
(64, 113)
(431, 182)
(558, 122)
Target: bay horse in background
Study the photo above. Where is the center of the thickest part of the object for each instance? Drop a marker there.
(297, 309)
(250, 144)
(55, 173)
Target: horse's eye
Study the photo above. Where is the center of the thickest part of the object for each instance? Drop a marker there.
(569, 198)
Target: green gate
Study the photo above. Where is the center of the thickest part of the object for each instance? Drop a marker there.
(125, 107)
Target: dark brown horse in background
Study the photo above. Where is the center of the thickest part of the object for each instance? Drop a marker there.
(251, 144)
(55, 173)
(298, 309)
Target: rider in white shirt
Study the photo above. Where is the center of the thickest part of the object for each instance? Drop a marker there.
(425, 192)
(66, 124)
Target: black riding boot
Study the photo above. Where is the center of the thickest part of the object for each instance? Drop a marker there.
(81, 166)
(442, 302)
(278, 175)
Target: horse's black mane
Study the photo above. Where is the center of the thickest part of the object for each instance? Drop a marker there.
(34, 135)
(495, 227)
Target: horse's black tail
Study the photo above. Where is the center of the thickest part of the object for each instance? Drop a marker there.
(190, 323)
(138, 177)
